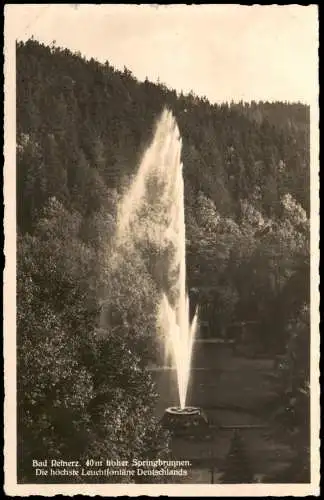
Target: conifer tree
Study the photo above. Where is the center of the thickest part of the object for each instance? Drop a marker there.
(237, 468)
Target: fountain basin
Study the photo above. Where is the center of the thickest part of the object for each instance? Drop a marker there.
(189, 421)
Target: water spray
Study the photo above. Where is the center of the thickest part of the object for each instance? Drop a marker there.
(152, 213)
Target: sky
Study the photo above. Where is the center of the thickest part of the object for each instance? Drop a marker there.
(223, 52)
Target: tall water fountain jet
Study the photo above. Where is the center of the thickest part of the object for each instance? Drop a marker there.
(151, 216)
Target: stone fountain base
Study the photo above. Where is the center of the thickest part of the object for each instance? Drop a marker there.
(189, 421)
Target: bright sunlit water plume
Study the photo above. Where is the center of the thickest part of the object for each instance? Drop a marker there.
(151, 220)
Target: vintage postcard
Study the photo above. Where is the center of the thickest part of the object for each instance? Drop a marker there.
(161, 300)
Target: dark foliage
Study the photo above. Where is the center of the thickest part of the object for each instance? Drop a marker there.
(237, 468)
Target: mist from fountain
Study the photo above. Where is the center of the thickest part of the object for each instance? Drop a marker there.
(151, 217)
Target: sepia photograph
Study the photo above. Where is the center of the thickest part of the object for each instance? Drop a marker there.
(161, 301)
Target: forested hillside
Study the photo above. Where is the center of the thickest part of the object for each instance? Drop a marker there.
(82, 127)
